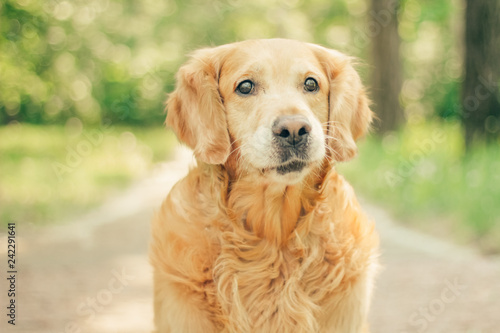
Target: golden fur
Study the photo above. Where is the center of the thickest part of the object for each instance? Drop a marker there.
(238, 247)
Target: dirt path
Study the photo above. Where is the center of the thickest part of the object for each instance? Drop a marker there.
(92, 275)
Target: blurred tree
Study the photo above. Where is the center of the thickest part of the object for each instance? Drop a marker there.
(387, 74)
(480, 94)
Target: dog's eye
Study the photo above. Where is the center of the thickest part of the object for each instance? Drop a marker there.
(311, 85)
(245, 87)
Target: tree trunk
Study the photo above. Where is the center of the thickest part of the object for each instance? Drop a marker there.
(480, 95)
(386, 76)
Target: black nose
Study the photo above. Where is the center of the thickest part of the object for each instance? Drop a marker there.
(291, 130)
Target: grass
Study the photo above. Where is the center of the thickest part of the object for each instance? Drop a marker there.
(423, 176)
(48, 173)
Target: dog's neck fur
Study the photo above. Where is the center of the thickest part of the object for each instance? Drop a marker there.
(264, 210)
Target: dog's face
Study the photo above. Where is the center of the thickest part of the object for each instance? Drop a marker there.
(279, 106)
(276, 104)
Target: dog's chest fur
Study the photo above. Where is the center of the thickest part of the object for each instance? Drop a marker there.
(263, 288)
(260, 286)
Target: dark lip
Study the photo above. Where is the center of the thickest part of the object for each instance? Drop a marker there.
(294, 166)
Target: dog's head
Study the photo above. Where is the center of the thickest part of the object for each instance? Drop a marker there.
(280, 106)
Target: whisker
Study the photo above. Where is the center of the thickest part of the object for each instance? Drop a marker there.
(333, 138)
(334, 153)
(331, 122)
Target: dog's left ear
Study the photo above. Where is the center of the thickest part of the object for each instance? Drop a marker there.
(195, 109)
(350, 115)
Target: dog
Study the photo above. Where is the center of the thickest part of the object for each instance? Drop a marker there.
(263, 235)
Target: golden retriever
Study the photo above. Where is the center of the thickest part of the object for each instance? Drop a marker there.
(263, 235)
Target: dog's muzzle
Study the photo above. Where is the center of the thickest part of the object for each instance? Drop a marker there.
(291, 137)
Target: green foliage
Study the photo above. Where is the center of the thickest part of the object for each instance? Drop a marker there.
(113, 61)
(447, 106)
(431, 33)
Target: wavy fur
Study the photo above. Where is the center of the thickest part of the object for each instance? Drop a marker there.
(235, 251)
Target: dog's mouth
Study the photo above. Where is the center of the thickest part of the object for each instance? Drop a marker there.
(294, 166)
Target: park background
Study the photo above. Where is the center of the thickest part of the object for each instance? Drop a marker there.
(83, 85)
(85, 159)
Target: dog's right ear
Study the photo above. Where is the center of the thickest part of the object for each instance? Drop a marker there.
(195, 109)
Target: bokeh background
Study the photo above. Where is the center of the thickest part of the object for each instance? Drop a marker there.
(83, 85)
(85, 158)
